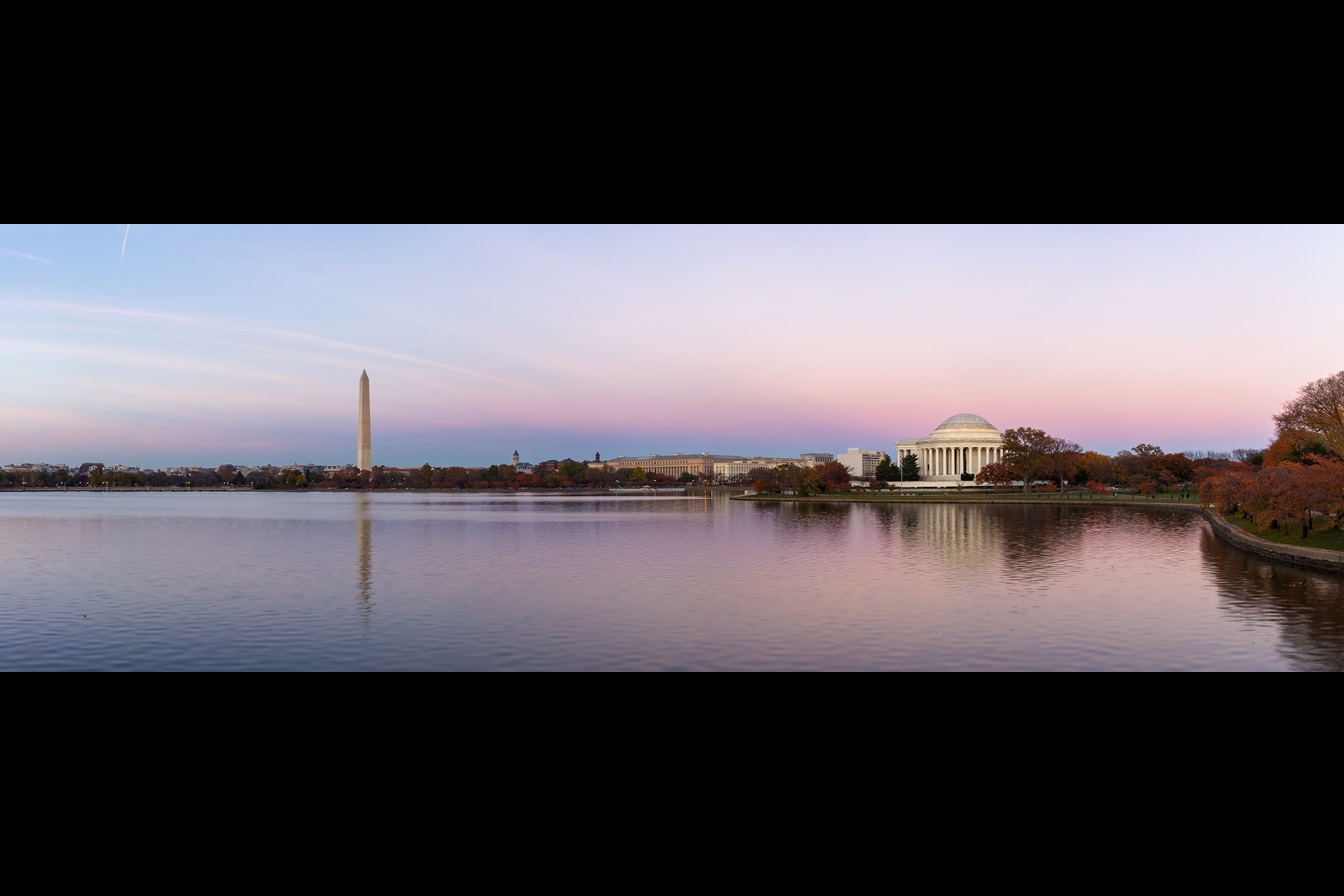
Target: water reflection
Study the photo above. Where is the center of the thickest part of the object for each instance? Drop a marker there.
(589, 583)
(1022, 543)
(971, 540)
(1306, 608)
(364, 530)
(1041, 543)
(814, 520)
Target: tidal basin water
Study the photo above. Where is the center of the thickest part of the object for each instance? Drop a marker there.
(461, 582)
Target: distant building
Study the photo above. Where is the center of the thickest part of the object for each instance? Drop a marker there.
(674, 465)
(818, 460)
(704, 466)
(862, 462)
(740, 468)
(37, 468)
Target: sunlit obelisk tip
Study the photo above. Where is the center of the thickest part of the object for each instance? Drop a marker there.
(365, 426)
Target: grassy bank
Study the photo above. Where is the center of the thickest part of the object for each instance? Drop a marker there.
(1320, 537)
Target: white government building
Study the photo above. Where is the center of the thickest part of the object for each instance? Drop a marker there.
(966, 443)
(862, 462)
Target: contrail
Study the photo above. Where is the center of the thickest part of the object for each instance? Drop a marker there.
(123, 242)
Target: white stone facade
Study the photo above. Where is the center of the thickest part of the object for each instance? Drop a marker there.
(965, 443)
(862, 462)
(736, 468)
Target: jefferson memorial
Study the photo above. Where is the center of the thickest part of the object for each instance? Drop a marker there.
(966, 443)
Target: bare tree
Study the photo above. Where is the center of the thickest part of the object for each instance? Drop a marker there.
(1065, 458)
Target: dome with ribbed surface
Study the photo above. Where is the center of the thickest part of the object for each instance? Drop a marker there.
(967, 421)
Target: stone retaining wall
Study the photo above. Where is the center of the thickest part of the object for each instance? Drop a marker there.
(1312, 558)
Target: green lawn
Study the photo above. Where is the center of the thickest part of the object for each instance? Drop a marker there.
(1320, 537)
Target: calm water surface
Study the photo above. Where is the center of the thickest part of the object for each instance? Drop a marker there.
(284, 581)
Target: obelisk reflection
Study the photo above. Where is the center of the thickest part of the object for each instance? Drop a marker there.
(364, 530)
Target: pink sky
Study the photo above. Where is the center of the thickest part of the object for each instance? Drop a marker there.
(244, 343)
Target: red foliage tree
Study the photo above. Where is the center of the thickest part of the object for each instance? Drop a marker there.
(766, 487)
(996, 475)
(833, 477)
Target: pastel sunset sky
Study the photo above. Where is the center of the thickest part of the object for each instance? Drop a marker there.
(200, 344)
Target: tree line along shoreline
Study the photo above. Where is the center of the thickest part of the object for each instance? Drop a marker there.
(1294, 484)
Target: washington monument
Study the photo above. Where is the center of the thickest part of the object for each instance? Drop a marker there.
(365, 426)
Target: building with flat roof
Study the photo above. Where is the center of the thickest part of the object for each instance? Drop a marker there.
(705, 466)
(862, 462)
(699, 465)
(730, 470)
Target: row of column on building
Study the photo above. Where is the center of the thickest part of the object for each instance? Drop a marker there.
(953, 461)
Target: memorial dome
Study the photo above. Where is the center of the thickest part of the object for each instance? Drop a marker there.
(967, 421)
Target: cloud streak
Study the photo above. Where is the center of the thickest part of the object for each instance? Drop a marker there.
(215, 325)
(24, 256)
(32, 348)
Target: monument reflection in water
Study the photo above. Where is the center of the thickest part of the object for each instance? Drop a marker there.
(381, 581)
(364, 527)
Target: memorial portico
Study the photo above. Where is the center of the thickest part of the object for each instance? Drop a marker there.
(965, 443)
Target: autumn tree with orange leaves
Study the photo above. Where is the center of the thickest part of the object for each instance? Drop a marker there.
(1301, 482)
(1282, 496)
(1316, 414)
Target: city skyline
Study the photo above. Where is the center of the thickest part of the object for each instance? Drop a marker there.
(160, 345)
